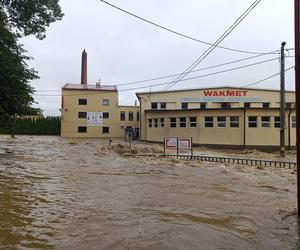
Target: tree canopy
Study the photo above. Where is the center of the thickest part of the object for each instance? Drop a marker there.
(19, 18)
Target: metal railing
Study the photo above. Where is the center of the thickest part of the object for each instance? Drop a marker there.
(235, 160)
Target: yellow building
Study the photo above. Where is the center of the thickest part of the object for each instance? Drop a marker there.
(225, 116)
(93, 110)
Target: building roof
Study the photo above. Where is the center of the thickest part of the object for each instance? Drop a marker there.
(69, 86)
(220, 87)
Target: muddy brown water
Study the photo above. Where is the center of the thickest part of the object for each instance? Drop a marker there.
(59, 193)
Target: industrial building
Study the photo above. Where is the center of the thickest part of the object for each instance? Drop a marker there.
(93, 110)
(219, 117)
(223, 116)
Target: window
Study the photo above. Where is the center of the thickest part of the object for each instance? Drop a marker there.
(163, 105)
(105, 102)
(153, 105)
(155, 123)
(173, 122)
(252, 121)
(162, 122)
(221, 121)
(266, 105)
(182, 122)
(265, 121)
(150, 123)
(82, 101)
(137, 116)
(193, 122)
(277, 122)
(105, 115)
(81, 129)
(130, 116)
(203, 105)
(247, 105)
(234, 121)
(184, 105)
(82, 115)
(225, 105)
(209, 121)
(105, 130)
(122, 115)
(293, 121)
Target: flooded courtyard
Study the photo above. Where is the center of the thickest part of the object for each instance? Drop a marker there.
(58, 193)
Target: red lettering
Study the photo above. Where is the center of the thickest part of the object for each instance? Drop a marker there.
(230, 93)
(238, 93)
(215, 93)
(222, 93)
(207, 93)
(245, 92)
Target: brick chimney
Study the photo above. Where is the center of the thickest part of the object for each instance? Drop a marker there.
(84, 68)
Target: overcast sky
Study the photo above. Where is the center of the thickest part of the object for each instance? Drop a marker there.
(123, 49)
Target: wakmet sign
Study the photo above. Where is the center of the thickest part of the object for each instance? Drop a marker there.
(223, 96)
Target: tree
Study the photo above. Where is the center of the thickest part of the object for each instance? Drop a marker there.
(20, 18)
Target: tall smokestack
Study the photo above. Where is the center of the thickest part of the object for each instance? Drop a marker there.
(84, 68)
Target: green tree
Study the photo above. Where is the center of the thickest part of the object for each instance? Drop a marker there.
(17, 19)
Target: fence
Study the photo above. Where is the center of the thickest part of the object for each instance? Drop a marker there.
(28, 126)
(241, 161)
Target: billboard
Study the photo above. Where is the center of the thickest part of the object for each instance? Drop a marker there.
(94, 118)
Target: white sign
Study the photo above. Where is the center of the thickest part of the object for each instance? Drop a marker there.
(184, 142)
(94, 118)
(170, 142)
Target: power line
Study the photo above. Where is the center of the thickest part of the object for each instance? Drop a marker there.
(176, 32)
(216, 43)
(267, 78)
(191, 78)
(177, 74)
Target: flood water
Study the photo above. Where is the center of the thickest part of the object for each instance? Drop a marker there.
(60, 193)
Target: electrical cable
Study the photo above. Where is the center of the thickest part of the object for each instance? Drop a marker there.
(176, 32)
(191, 78)
(217, 42)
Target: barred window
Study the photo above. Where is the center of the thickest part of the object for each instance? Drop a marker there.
(234, 121)
(122, 115)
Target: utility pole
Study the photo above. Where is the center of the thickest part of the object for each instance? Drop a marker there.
(282, 100)
(297, 85)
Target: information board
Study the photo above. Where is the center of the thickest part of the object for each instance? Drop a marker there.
(94, 118)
